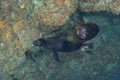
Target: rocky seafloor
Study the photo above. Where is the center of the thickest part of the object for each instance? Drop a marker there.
(102, 64)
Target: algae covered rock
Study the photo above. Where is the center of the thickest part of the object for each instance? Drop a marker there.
(54, 12)
(17, 32)
(100, 5)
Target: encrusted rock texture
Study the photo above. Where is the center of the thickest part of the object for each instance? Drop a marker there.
(55, 12)
(17, 32)
(100, 5)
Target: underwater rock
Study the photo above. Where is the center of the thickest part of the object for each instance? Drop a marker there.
(100, 5)
(54, 12)
(16, 34)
